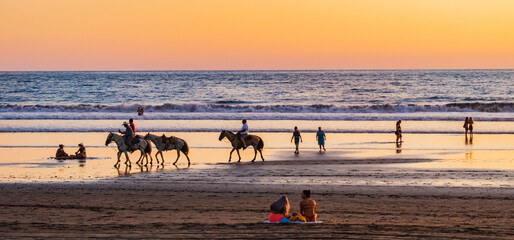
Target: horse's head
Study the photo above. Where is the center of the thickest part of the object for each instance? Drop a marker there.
(222, 135)
(147, 136)
(109, 139)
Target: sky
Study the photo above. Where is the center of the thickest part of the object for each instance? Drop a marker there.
(65, 35)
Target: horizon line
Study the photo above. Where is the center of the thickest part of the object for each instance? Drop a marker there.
(267, 70)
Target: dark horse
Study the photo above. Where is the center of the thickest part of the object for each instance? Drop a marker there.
(253, 140)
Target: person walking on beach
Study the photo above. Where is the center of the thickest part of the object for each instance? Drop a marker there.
(320, 137)
(244, 132)
(60, 152)
(297, 139)
(466, 126)
(398, 131)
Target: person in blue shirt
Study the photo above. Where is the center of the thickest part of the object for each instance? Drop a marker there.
(320, 136)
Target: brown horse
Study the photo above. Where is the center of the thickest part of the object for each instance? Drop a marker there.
(253, 140)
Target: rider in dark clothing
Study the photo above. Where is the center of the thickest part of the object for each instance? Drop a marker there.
(128, 135)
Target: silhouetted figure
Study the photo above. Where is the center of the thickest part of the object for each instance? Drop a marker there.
(81, 153)
(470, 127)
(140, 111)
(398, 131)
(60, 152)
(297, 139)
(466, 126)
(321, 137)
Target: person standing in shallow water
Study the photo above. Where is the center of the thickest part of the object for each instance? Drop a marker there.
(297, 139)
(398, 131)
(320, 137)
(470, 126)
(466, 126)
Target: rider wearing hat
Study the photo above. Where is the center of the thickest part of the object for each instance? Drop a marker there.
(128, 134)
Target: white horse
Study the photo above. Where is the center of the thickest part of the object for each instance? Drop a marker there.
(143, 145)
(175, 144)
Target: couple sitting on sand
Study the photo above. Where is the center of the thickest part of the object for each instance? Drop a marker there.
(79, 154)
(280, 209)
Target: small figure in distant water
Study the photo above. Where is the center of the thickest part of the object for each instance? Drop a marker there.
(398, 131)
(466, 126)
(81, 153)
(470, 124)
(321, 137)
(140, 111)
(297, 139)
(243, 132)
(60, 154)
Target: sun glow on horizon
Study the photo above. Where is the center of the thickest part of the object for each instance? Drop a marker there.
(233, 35)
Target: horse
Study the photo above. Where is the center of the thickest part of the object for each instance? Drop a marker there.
(253, 140)
(144, 146)
(176, 144)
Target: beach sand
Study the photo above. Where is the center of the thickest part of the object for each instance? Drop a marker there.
(365, 187)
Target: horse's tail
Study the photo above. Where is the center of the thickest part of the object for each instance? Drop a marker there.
(260, 145)
(185, 148)
(148, 148)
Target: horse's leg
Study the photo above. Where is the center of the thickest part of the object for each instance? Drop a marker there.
(255, 153)
(128, 159)
(162, 158)
(151, 159)
(118, 162)
(156, 157)
(188, 162)
(230, 158)
(237, 150)
(261, 155)
(178, 155)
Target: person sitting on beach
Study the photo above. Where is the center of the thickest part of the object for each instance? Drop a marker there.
(128, 135)
(81, 153)
(280, 209)
(60, 152)
(297, 139)
(320, 137)
(308, 207)
(243, 132)
(398, 131)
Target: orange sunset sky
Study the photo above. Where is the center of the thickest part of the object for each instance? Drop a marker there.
(254, 35)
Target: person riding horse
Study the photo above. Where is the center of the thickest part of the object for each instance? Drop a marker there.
(243, 133)
(128, 135)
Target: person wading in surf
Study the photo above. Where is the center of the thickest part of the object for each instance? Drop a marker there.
(244, 132)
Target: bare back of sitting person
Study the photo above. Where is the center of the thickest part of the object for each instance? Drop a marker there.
(308, 207)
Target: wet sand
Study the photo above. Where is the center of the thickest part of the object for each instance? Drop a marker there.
(364, 187)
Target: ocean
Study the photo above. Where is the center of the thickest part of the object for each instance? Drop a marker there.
(57, 99)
